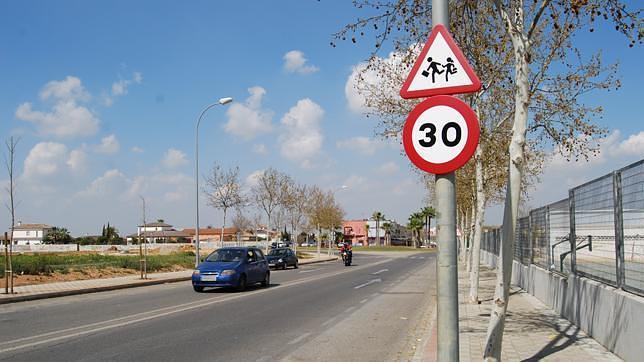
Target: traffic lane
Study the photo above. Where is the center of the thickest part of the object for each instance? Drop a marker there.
(29, 319)
(260, 321)
(387, 328)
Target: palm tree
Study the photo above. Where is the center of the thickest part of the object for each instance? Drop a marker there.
(387, 226)
(366, 234)
(428, 213)
(416, 224)
(378, 216)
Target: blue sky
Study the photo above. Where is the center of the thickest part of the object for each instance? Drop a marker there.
(105, 95)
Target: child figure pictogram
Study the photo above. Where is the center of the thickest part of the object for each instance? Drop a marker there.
(434, 67)
(450, 68)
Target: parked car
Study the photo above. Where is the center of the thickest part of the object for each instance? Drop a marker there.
(282, 258)
(279, 244)
(235, 267)
(308, 243)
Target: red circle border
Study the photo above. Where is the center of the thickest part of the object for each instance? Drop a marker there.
(473, 133)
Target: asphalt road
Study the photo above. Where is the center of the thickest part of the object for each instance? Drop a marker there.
(376, 309)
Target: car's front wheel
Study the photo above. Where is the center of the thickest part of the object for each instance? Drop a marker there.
(297, 264)
(267, 280)
(241, 286)
(197, 289)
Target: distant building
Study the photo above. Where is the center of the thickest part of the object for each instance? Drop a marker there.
(30, 234)
(159, 232)
(355, 232)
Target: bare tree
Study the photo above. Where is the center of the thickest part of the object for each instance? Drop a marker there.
(268, 193)
(240, 221)
(224, 191)
(10, 161)
(296, 203)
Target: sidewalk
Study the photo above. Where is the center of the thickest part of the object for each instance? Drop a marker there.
(533, 332)
(51, 290)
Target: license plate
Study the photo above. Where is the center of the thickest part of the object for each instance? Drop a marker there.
(208, 278)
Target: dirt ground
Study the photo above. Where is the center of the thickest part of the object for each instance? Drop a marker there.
(89, 273)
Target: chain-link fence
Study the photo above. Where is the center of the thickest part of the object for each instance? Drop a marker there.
(597, 232)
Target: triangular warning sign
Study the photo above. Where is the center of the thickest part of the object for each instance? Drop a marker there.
(441, 68)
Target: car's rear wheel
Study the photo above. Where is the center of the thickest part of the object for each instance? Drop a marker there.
(241, 286)
(267, 280)
(297, 264)
(197, 289)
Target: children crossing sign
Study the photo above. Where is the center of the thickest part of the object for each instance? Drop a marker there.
(441, 68)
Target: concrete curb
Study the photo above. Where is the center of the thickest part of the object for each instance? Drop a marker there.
(64, 293)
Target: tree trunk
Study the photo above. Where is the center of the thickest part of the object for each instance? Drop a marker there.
(494, 337)
(470, 237)
(478, 226)
(222, 229)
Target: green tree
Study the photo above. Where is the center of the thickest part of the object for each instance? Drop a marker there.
(387, 226)
(415, 223)
(57, 235)
(366, 234)
(428, 213)
(378, 217)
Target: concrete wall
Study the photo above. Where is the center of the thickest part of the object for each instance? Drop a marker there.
(611, 316)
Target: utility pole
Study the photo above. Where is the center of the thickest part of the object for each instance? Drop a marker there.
(446, 268)
(145, 243)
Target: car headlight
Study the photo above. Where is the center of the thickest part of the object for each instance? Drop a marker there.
(228, 272)
(196, 272)
(280, 261)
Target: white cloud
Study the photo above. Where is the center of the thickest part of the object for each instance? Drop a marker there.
(248, 120)
(388, 168)
(560, 175)
(295, 62)
(137, 149)
(120, 88)
(77, 160)
(67, 118)
(44, 160)
(111, 183)
(109, 145)
(356, 184)
(302, 137)
(363, 145)
(68, 89)
(253, 178)
(174, 158)
(632, 146)
(260, 149)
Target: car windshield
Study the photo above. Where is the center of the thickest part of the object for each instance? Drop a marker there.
(277, 252)
(226, 255)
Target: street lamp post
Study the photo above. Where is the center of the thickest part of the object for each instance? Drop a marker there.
(221, 102)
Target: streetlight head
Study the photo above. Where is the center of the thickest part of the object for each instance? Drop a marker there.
(225, 100)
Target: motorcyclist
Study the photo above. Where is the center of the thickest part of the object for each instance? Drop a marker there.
(346, 247)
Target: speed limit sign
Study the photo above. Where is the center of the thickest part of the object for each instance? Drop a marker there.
(441, 134)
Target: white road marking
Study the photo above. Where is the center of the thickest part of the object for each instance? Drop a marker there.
(412, 257)
(300, 338)
(380, 271)
(308, 271)
(154, 314)
(363, 301)
(368, 283)
(328, 322)
(350, 309)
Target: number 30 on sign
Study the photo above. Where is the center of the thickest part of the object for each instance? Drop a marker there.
(441, 134)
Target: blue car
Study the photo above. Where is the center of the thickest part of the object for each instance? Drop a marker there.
(235, 267)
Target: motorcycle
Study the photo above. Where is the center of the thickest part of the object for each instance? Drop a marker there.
(347, 255)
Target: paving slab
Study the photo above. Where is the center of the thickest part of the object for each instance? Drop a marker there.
(533, 331)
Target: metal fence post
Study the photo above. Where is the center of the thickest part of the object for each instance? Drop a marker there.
(549, 260)
(572, 235)
(530, 241)
(618, 220)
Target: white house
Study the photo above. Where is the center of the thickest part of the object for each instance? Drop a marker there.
(154, 226)
(30, 234)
